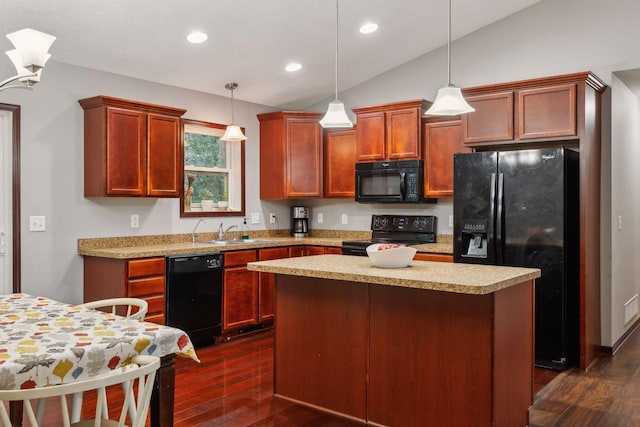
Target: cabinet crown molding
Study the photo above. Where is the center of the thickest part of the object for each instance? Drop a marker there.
(109, 101)
(586, 77)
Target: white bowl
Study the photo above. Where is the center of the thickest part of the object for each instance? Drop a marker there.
(390, 258)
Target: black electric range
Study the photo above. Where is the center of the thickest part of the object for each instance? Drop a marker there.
(401, 229)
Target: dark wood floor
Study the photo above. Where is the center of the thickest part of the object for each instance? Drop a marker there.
(233, 387)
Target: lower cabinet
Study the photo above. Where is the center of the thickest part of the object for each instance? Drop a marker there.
(142, 278)
(240, 290)
(295, 251)
(422, 256)
(266, 283)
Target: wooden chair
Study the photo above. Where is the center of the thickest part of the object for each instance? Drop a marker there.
(121, 306)
(141, 371)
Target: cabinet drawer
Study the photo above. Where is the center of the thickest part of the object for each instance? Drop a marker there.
(333, 250)
(433, 257)
(273, 253)
(146, 267)
(148, 286)
(239, 257)
(156, 304)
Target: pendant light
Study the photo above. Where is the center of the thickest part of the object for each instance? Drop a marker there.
(449, 101)
(233, 132)
(336, 116)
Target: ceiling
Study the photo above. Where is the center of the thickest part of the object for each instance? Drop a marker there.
(250, 41)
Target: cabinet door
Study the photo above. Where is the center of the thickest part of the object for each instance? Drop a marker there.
(163, 157)
(126, 146)
(296, 251)
(547, 112)
(492, 120)
(266, 287)
(403, 133)
(333, 250)
(370, 136)
(240, 294)
(304, 158)
(314, 250)
(340, 153)
(442, 141)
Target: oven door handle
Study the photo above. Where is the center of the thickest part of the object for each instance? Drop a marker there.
(403, 184)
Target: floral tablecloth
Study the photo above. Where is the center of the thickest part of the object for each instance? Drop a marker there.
(45, 342)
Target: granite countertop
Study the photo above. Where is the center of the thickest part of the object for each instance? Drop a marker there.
(437, 276)
(126, 248)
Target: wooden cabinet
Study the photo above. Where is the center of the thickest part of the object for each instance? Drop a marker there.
(389, 132)
(537, 113)
(290, 155)
(493, 119)
(547, 112)
(240, 290)
(340, 153)
(441, 141)
(130, 148)
(266, 288)
(137, 278)
(423, 256)
(296, 251)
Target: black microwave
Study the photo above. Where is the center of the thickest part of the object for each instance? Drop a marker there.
(390, 182)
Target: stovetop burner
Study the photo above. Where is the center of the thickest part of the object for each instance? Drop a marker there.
(402, 229)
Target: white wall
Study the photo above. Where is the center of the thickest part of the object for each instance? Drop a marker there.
(625, 203)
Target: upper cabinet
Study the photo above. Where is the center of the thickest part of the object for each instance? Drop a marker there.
(130, 148)
(442, 139)
(389, 132)
(290, 155)
(339, 163)
(545, 112)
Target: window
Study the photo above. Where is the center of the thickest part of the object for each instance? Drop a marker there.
(213, 172)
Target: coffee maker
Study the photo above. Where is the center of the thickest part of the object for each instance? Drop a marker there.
(299, 221)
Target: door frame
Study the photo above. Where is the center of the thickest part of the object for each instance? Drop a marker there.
(15, 193)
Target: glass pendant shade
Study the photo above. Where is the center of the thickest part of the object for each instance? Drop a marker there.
(233, 133)
(449, 102)
(29, 78)
(336, 116)
(32, 47)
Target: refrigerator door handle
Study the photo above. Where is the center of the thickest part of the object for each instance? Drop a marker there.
(499, 219)
(403, 184)
(491, 226)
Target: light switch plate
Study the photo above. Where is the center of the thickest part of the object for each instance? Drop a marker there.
(255, 217)
(37, 223)
(320, 218)
(345, 218)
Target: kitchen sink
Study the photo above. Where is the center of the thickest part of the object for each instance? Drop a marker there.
(234, 242)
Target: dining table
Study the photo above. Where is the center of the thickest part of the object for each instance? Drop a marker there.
(46, 342)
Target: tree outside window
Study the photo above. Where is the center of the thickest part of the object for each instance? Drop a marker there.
(213, 171)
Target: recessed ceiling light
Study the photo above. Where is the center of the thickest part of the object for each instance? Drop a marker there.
(368, 28)
(197, 37)
(293, 66)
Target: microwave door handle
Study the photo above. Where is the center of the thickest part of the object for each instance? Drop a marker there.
(403, 184)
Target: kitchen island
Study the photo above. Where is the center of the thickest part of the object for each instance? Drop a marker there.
(434, 344)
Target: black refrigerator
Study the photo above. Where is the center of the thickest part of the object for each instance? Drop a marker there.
(521, 208)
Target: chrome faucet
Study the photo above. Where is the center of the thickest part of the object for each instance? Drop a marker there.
(222, 231)
(193, 233)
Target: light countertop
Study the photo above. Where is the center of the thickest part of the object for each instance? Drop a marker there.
(125, 248)
(437, 276)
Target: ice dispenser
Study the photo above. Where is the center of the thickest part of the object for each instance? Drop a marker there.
(474, 239)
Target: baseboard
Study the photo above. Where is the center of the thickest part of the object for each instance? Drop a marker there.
(616, 346)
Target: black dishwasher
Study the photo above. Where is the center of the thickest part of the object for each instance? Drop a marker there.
(194, 295)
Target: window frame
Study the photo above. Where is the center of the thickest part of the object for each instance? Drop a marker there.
(191, 214)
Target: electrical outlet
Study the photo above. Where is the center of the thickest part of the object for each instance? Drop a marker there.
(619, 222)
(344, 218)
(451, 221)
(320, 218)
(135, 221)
(255, 217)
(272, 218)
(37, 223)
